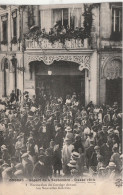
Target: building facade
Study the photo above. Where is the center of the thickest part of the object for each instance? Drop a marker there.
(61, 49)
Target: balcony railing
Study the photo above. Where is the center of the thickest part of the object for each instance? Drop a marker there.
(43, 44)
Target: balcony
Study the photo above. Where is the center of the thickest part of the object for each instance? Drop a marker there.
(44, 44)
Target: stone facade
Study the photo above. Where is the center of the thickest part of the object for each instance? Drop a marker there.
(98, 59)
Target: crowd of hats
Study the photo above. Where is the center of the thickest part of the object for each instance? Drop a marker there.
(69, 116)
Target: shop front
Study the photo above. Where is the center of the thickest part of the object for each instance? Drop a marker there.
(60, 72)
(59, 79)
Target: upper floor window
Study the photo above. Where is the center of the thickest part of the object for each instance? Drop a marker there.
(14, 16)
(70, 17)
(31, 20)
(60, 16)
(116, 24)
(4, 29)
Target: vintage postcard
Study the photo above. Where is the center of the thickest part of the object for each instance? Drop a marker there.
(61, 98)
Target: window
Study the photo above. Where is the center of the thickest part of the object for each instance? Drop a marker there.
(14, 34)
(4, 25)
(116, 24)
(4, 29)
(67, 17)
(14, 27)
(60, 16)
(31, 20)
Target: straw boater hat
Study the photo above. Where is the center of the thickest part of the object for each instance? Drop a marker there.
(41, 149)
(19, 166)
(3, 146)
(25, 155)
(18, 137)
(68, 129)
(110, 131)
(96, 148)
(75, 155)
(18, 173)
(111, 164)
(116, 132)
(67, 139)
(102, 168)
(72, 164)
(8, 169)
(5, 165)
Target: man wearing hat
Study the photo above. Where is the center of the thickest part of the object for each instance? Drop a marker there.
(18, 174)
(88, 154)
(72, 164)
(116, 159)
(18, 146)
(112, 171)
(5, 155)
(104, 133)
(107, 119)
(94, 161)
(19, 171)
(69, 133)
(7, 174)
(66, 154)
(27, 165)
(58, 136)
(78, 143)
(12, 96)
(106, 150)
(40, 170)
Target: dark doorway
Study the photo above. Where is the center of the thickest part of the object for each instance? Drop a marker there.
(65, 78)
(61, 85)
(114, 91)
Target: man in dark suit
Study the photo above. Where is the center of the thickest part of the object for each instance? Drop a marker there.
(40, 169)
(89, 152)
(106, 151)
(59, 136)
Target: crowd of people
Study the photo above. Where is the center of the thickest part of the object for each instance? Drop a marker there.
(59, 138)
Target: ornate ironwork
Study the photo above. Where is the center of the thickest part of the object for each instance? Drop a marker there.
(83, 60)
(111, 67)
(113, 70)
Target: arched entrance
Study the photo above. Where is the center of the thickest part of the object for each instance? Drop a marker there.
(5, 69)
(59, 79)
(113, 75)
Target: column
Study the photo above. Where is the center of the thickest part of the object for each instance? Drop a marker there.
(11, 82)
(36, 15)
(29, 84)
(87, 87)
(82, 17)
(18, 28)
(93, 77)
(9, 29)
(11, 79)
(1, 83)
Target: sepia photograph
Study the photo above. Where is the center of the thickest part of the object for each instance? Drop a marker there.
(61, 98)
